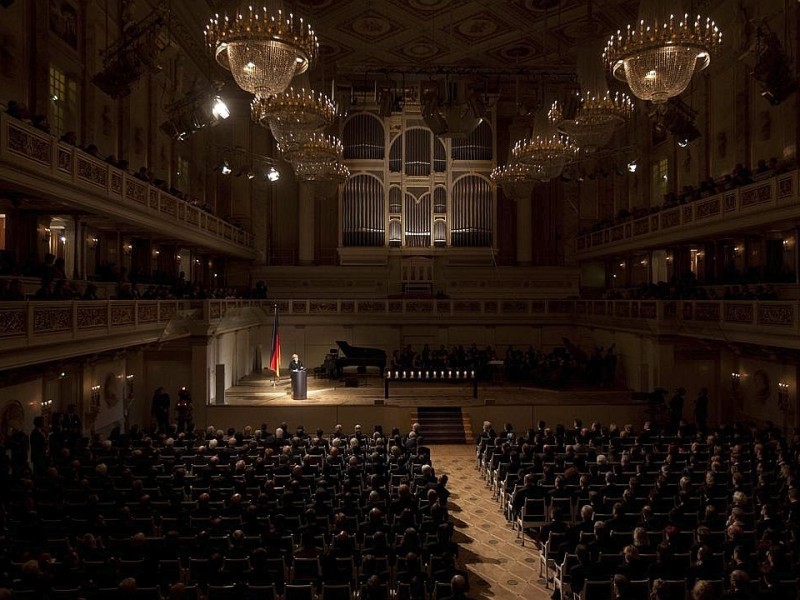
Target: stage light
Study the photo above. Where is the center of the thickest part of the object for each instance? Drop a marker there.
(220, 109)
(632, 166)
(273, 174)
(226, 168)
(250, 174)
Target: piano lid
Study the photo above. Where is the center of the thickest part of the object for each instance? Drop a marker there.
(359, 351)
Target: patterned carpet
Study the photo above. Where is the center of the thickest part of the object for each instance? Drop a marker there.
(499, 567)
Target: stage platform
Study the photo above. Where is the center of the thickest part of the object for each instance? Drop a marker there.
(257, 399)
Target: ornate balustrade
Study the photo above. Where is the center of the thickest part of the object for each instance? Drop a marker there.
(38, 160)
(42, 324)
(761, 202)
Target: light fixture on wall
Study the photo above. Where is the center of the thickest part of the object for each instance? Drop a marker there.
(46, 234)
(783, 396)
(788, 243)
(92, 241)
(95, 395)
(127, 248)
(129, 385)
(658, 56)
(736, 381)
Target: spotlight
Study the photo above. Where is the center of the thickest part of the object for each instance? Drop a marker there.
(273, 174)
(632, 166)
(220, 109)
(773, 68)
(250, 174)
(226, 168)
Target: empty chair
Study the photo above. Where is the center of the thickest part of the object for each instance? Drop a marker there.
(336, 591)
(298, 592)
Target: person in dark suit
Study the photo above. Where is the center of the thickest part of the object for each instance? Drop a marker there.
(296, 364)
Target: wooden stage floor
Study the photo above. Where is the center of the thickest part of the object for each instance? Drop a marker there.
(257, 390)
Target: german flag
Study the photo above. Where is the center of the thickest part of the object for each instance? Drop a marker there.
(275, 357)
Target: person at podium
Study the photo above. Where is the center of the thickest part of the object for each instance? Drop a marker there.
(296, 364)
(298, 374)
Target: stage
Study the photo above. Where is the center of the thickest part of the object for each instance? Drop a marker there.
(257, 399)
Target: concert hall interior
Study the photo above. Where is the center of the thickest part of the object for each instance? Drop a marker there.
(482, 208)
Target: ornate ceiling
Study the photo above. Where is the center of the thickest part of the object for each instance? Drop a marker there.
(366, 39)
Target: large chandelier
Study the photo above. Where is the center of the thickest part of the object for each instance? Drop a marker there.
(658, 57)
(547, 151)
(516, 179)
(597, 118)
(293, 115)
(262, 50)
(314, 158)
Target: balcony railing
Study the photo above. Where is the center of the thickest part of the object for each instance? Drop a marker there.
(26, 149)
(36, 325)
(757, 203)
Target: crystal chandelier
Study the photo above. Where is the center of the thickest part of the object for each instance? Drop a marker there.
(329, 182)
(596, 119)
(262, 49)
(658, 57)
(547, 151)
(516, 179)
(293, 115)
(314, 158)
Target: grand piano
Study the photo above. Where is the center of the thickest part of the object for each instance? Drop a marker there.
(361, 358)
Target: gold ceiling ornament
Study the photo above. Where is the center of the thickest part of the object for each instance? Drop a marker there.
(262, 48)
(293, 115)
(516, 179)
(658, 57)
(596, 119)
(547, 151)
(314, 158)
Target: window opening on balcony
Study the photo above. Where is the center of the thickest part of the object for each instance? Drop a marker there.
(660, 181)
(63, 97)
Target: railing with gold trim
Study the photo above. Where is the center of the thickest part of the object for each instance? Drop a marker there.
(755, 200)
(37, 151)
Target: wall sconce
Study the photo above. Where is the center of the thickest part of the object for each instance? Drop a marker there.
(46, 233)
(156, 253)
(92, 241)
(622, 265)
(129, 385)
(788, 243)
(62, 375)
(737, 251)
(127, 249)
(668, 259)
(62, 238)
(47, 406)
(644, 262)
(783, 396)
(95, 395)
(736, 380)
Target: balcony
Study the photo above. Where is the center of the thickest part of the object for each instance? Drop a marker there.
(36, 163)
(763, 202)
(35, 332)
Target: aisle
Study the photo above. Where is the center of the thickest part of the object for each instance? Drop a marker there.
(498, 565)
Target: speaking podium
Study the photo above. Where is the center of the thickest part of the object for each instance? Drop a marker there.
(299, 384)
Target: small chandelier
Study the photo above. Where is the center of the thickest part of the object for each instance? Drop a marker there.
(262, 50)
(547, 151)
(596, 119)
(516, 179)
(658, 57)
(293, 115)
(329, 182)
(314, 158)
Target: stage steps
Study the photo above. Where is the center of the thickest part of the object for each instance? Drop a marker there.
(443, 425)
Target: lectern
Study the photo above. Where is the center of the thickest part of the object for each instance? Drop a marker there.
(299, 385)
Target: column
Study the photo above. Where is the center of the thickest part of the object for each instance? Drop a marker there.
(77, 272)
(524, 234)
(305, 238)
